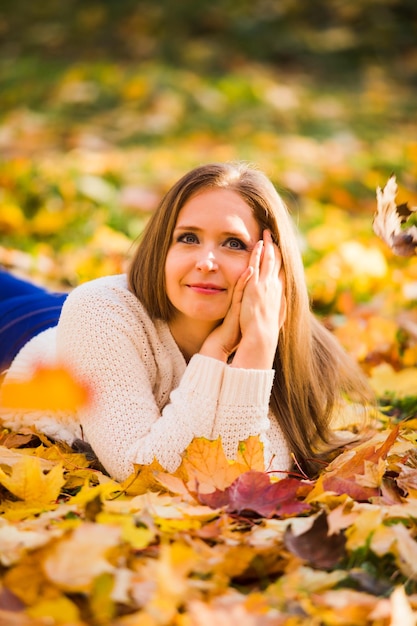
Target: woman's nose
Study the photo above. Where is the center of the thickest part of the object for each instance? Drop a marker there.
(207, 263)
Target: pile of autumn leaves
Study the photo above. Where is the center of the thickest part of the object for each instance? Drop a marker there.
(215, 543)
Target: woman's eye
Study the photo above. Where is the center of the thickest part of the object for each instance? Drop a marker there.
(187, 238)
(235, 244)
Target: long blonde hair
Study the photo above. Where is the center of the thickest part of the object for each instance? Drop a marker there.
(312, 371)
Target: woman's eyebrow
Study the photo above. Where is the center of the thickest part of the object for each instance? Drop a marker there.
(185, 227)
(225, 233)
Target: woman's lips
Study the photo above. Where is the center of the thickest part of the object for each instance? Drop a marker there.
(207, 289)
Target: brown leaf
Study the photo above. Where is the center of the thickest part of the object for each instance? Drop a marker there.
(407, 479)
(389, 219)
(316, 546)
(19, 440)
(341, 476)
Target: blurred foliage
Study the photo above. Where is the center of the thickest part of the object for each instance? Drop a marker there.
(322, 35)
(103, 105)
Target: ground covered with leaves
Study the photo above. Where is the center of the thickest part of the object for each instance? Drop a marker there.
(216, 542)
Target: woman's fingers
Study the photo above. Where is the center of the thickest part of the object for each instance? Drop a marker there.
(256, 257)
(271, 258)
(241, 284)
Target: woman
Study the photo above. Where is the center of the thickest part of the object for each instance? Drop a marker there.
(210, 334)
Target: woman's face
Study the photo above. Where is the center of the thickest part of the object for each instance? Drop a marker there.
(211, 247)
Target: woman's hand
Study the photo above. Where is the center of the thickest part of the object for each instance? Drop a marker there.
(262, 307)
(224, 339)
(256, 314)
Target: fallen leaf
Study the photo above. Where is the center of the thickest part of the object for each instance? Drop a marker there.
(316, 546)
(401, 611)
(206, 462)
(343, 607)
(389, 219)
(407, 551)
(251, 454)
(75, 561)
(407, 479)
(28, 482)
(10, 457)
(143, 479)
(254, 491)
(341, 476)
(14, 541)
(18, 440)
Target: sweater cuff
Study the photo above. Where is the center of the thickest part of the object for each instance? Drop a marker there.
(205, 374)
(246, 386)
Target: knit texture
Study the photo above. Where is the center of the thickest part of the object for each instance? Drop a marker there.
(147, 402)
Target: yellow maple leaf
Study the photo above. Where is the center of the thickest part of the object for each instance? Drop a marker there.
(88, 493)
(51, 389)
(28, 482)
(206, 463)
(251, 454)
(143, 480)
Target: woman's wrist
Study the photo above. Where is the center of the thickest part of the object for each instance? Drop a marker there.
(254, 353)
(214, 350)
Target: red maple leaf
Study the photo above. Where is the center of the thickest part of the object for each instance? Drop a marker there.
(253, 491)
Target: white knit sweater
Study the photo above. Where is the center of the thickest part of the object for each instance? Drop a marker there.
(147, 402)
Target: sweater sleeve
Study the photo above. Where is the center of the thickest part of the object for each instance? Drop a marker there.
(243, 405)
(243, 411)
(105, 344)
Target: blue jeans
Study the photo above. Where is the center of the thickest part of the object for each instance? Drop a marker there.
(25, 311)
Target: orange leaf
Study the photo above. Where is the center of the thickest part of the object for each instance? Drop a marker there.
(251, 454)
(206, 462)
(342, 475)
(51, 389)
